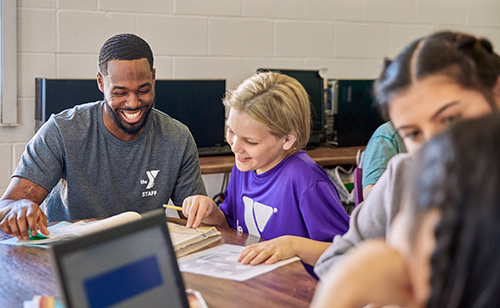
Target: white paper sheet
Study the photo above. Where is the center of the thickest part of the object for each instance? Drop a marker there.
(221, 262)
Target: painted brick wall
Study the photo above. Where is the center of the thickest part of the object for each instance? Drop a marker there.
(226, 39)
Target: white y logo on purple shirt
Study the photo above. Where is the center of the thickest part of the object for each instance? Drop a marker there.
(257, 216)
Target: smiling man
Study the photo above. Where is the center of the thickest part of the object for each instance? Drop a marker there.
(103, 158)
(128, 87)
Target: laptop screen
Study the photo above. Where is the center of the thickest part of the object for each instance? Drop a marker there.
(128, 266)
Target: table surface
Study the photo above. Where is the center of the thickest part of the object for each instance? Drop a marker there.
(27, 271)
(323, 156)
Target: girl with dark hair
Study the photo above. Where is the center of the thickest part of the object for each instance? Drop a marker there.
(444, 245)
(446, 62)
(434, 82)
(432, 56)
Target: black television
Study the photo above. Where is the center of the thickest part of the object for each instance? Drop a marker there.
(196, 103)
(313, 83)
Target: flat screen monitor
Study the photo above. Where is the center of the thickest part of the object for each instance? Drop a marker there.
(196, 103)
(357, 115)
(55, 95)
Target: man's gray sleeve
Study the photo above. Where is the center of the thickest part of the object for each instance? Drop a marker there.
(371, 218)
(42, 161)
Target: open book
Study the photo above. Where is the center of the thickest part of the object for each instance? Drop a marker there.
(185, 240)
(67, 231)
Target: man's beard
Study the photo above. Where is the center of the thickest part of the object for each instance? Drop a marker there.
(134, 129)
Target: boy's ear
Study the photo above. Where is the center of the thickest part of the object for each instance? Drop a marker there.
(289, 141)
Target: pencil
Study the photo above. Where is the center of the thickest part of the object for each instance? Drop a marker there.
(172, 207)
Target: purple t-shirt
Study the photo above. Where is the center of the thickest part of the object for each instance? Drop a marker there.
(296, 197)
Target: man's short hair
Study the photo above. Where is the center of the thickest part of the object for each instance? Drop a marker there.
(124, 46)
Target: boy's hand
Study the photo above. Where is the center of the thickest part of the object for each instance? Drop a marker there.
(196, 208)
(269, 252)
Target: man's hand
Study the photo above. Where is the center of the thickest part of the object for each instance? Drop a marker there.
(22, 215)
(20, 210)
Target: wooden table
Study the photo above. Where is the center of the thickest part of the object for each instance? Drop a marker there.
(323, 156)
(27, 271)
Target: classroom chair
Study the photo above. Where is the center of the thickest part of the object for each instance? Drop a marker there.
(358, 176)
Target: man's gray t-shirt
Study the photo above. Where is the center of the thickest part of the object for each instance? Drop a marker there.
(91, 173)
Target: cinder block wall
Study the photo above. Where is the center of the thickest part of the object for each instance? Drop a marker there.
(226, 39)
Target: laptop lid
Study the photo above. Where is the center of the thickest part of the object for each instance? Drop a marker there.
(131, 265)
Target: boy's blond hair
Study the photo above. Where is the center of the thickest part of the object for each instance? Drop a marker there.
(277, 101)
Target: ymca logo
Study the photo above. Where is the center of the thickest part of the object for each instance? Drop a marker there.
(257, 216)
(150, 183)
(151, 176)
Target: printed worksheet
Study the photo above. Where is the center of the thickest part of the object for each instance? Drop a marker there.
(221, 262)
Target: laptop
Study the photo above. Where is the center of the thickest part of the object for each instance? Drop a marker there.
(131, 265)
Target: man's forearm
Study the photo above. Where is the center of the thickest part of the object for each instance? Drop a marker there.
(23, 189)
